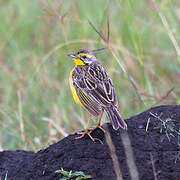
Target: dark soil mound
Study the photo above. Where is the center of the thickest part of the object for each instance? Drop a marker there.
(147, 153)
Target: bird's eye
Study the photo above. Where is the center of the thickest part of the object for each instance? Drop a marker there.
(84, 57)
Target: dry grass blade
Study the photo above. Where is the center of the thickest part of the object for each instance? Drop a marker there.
(169, 31)
(108, 29)
(113, 154)
(99, 49)
(147, 125)
(107, 41)
(56, 126)
(100, 32)
(129, 156)
(54, 13)
(20, 117)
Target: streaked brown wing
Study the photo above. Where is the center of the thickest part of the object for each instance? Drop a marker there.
(94, 88)
(97, 85)
(105, 94)
(104, 90)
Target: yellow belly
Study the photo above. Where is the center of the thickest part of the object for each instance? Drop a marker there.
(73, 89)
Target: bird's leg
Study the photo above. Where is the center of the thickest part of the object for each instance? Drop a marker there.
(99, 123)
(86, 131)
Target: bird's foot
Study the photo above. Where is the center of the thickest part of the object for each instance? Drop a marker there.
(83, 133)
(89, 131)
(95, 127)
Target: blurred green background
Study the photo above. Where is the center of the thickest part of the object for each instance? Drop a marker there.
(36, 106)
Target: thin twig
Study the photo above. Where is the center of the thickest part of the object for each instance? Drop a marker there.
(99, 49)
(163, 97)
(153, 167)
(156, 116)
(100, 34)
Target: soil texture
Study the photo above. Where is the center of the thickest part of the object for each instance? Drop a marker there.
(149, 149)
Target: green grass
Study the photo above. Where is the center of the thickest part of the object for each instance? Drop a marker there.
(68, 175)
(34, 67)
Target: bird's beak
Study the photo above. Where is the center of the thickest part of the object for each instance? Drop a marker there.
(73, 56)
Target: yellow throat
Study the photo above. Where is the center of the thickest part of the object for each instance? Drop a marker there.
(78, 62)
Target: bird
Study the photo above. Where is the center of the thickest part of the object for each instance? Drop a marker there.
(93, 89)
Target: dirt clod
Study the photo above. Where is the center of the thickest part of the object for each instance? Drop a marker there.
(152, 136)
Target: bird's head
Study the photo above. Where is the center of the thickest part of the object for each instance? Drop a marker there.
(83, 57)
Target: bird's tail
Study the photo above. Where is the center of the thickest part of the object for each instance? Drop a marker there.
(115, 118)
